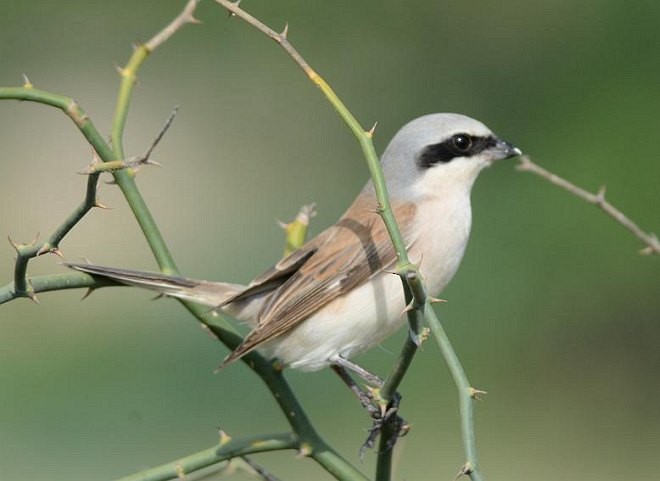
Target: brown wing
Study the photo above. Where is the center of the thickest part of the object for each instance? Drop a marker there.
(280, 272)
(343, 257)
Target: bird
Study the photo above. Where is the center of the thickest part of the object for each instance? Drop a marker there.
(335, 297)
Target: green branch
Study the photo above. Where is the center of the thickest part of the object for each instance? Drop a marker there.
(310, 442)
(55, 282)
(69, 107)
(216, 454)
(466, 396)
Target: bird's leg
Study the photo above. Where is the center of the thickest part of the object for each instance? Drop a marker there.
(382, 413)
(365, 398)
(362, 373)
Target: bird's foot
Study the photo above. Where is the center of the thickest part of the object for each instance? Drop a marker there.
(385, 420)
(383, 412)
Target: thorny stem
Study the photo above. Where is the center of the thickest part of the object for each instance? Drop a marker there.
(650, 239)
(216, 454)
(311, 443)
(466, 396)
(21, 286)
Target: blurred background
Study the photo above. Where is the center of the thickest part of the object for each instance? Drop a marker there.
(553, 312)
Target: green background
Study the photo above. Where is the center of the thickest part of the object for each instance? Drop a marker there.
(553, 312)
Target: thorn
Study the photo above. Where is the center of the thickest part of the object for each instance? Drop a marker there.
(27, 84)
(235, 4)
(405, 429)
(87, 293)
(305, 450)
(282, 225)
(600, 196)
(435, 300)
(180, 472)
(415, 338)
(15, 245)
(406, 310)
(465, 470)
(57, 252)
(474, 393)
(34, 241)
(46, 247)
(224, 437)
(33, 297)
(101, 206)
(158, 296)
(285, 32)
(119, 69)
(110, 182)
(371, 131)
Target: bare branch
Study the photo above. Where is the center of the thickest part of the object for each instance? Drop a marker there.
(598, 199)
(186, 16)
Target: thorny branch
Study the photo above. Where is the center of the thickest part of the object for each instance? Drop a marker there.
(598, 199)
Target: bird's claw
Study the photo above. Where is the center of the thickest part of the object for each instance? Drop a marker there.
(385, 415)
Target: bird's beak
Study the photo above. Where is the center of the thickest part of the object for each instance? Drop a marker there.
(504, 150)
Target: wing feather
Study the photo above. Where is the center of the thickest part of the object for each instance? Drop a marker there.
(344, 256)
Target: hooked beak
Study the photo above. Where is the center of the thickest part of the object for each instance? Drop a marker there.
(504, 150)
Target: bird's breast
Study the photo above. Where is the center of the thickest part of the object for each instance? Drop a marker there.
(439, 238)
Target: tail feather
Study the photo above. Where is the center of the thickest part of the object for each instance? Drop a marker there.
(212, 294)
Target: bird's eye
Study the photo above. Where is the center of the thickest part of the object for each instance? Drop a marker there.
(462, 142)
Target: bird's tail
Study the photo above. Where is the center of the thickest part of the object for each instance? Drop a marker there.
(214, 294)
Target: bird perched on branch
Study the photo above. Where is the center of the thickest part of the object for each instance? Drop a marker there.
(335, 296)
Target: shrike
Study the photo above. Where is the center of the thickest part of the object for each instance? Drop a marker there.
(334, 297)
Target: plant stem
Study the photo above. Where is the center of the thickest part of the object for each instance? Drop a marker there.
(216, 454)
(466, 396)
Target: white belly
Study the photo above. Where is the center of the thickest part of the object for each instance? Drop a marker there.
(357, 321)
(349, 325)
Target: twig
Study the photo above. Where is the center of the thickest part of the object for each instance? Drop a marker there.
(259, 469)
(216, 454)
(129, 72)
(166, 126)
(311, 444)
(186, 16)
(97, 166)
(598, 199)
(364, 137)
(466, 396)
